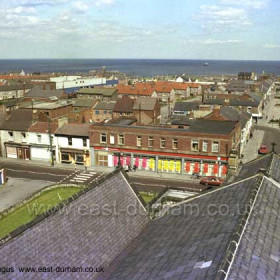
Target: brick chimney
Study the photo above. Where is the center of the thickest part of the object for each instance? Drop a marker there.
(216, 111)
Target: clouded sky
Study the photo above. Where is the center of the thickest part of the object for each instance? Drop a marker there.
(187, 29)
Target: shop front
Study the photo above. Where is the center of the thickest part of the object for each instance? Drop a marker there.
(75, 156)
(169, 165)
(17, 151)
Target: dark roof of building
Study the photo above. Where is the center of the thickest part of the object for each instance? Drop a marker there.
(257, 255)
(268, 164)
(44, 93)
(2, 117)
(84, 102)
(124, 105)
(98, 91)
(145, 103)
(79, 232)
(43, 127)
(74, 129)
(186, 106)
(253, 102)
(123, 121)
(19, 120)
(190, 242)
(183, 120)
(233, 115)
(212, 126)
(105, 105)
(15, 87)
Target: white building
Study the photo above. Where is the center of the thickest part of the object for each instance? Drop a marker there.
(73, 144)
(64, 82)
(40, 141)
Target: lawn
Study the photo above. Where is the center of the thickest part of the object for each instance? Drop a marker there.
(27, 212)
(148, 196)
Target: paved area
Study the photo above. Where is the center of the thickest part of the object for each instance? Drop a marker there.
(16, 190)
(251, 150)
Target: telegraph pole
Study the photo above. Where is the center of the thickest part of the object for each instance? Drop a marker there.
(50, 137)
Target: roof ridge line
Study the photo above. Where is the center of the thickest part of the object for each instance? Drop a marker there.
(240, 228)
(210, 192)
(21, 229)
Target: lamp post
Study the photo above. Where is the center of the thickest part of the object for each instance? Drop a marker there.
(119, 159)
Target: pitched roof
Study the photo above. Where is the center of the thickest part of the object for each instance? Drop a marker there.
(104, 105)
(186, 106)
(19, 120)
(98, 91)
(145, 103)
(43, 127)
(74, 129)
(212, 127)
(84, 102)
(44, 93)
(189, 242)
(257, 254)
(82, 232)
(124, 105)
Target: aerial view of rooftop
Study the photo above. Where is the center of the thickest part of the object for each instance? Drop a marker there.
(140, 140)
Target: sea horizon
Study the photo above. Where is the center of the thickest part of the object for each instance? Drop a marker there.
(140, 66)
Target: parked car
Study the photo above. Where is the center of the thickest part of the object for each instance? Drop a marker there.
(211, 180)
(263, 150)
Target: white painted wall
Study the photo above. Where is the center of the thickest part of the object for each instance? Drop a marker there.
(76, 81)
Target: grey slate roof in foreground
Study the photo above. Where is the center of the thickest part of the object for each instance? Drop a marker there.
(79, 234)
(192, 235)
(258, 255)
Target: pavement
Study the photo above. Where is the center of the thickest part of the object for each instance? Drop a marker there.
(16, 190)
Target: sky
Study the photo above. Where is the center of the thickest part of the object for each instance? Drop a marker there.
(167, 29)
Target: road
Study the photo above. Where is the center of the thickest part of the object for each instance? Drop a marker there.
(54, 174)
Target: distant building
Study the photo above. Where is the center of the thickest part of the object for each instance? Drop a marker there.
(99, 93)
(247, 76)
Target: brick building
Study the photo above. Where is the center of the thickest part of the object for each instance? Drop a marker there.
(205, 147)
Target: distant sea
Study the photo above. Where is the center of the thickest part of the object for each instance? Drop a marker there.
(140, 67)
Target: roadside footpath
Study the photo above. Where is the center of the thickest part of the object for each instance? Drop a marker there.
(137, 173)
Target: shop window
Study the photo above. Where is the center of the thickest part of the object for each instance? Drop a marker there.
(175, 143)
(84, 142)
(103, 138)
(194, 145)
(139, 141)
(121, 139)
(162, 142)
(215, 147)
(205, 146)
(151, 142)
(79, 159)
(65, 157)
(69, 141)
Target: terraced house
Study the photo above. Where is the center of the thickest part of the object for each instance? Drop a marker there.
(207, 147)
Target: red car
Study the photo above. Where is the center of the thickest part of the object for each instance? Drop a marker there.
(263, 150)
(211, 180)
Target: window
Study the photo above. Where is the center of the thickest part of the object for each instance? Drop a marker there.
(47, 113)
(103, 138)
(69, 141)
(39, 137)
(84, 142)
(23, 136)
(97, 112)
(11, 136)
(139, 141)
(151, 142)
(194, 145)
(64, 157)
(105, 112)
(121, 139)
(175, 143)
(205, 146)
(79, 159)
(112, 139)
(215, 147)
(162, 142)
